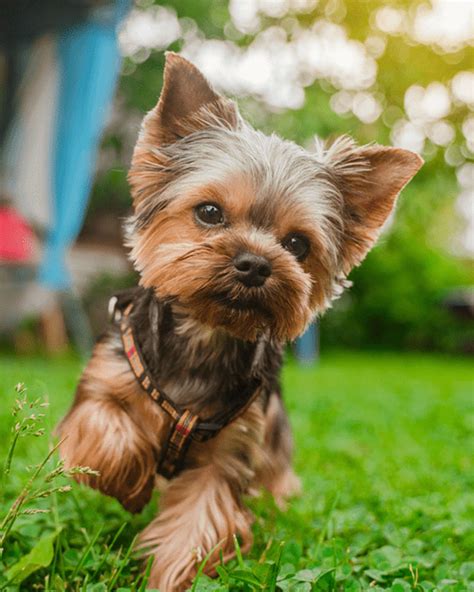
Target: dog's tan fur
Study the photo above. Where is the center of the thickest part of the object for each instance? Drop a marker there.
(194, 148)
(118, 431)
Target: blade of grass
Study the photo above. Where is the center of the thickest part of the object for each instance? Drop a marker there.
(238, 553)
(324, 530)
(86, 552)
(14, 510)
(122, 564)
(146, 574)
(203, 565)
(263, 556)
(275, 568)
(109, 549)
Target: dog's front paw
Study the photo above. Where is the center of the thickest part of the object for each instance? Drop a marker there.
(100, 435)
(200, 516)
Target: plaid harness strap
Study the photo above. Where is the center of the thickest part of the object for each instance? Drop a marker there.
(185, 426)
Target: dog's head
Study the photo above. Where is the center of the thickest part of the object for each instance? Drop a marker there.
(250, 232)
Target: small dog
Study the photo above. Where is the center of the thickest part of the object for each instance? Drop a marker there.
(240, 239)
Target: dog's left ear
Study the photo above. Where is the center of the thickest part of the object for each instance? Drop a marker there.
(187, 103)
(370, 179)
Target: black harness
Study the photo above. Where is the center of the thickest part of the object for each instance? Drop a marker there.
(186, 426)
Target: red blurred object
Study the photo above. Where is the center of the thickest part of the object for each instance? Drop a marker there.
(17, 240)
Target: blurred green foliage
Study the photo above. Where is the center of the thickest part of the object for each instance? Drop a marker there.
(398, 292)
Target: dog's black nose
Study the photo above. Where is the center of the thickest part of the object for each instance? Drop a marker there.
(252, 270)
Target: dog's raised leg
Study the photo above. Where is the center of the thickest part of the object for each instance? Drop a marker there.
(110, 428)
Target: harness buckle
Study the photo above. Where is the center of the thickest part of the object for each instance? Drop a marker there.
(177, 444)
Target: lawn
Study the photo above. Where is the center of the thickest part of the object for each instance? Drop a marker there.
(384, 446)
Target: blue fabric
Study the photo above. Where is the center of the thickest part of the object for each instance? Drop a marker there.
(89, 63)
(307, 346)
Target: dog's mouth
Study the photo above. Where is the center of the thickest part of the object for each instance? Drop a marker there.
(244, 304)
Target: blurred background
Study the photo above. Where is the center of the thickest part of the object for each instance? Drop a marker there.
(77, 77)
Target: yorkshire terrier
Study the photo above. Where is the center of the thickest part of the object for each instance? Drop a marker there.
(240, 240)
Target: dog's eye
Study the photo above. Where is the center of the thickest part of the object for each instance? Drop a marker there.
(209, 214)
(297, 245)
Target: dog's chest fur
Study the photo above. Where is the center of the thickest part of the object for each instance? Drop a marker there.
(200, 369)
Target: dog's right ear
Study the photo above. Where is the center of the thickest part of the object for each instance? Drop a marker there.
(369, 179)
(187, 104)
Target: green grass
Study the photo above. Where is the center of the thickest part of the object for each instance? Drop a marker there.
(384, 446)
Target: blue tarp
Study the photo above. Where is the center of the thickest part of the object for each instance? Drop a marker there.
(89, 62)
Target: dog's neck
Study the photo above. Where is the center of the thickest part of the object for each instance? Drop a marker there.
(195, 334)
(199, 367)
